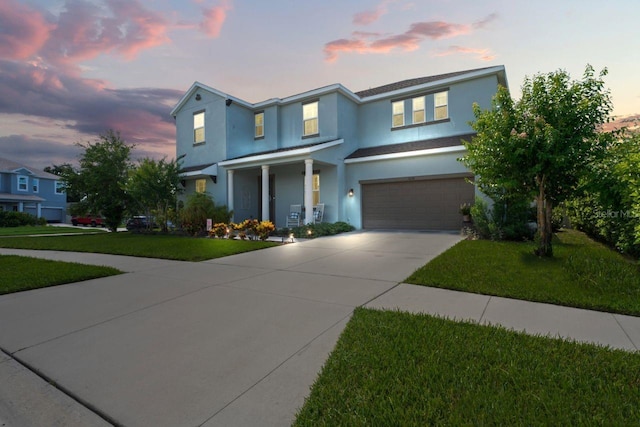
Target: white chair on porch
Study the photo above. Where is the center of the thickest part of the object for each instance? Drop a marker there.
(294, 219)
(318, 213)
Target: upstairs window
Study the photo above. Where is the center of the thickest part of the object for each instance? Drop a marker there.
(198, 128)
(201, 185)
(441, 101)
(23, 183)
(310, 119)
(35, 184)
(59, 187)
(419, 115)
(259, 125)
(398, 114)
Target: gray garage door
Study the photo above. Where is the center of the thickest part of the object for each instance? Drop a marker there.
(427, 204)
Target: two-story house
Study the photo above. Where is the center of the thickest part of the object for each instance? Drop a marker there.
(30, 190)
(379, 158)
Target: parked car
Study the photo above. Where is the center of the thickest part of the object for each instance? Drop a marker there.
(92, 220)
(139, 222)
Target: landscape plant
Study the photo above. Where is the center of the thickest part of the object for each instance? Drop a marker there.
(608, 203)
(199, 208)
(540, 146)
(19, 219)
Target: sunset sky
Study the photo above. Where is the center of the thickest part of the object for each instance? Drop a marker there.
(71, 69)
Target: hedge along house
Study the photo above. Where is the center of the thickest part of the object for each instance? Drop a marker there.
(382, 158)
(30, 190)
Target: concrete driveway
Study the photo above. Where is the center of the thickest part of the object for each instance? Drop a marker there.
(233, 341)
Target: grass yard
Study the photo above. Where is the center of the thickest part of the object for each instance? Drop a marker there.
(582, 273)
(142, 245)
(23, 273)
(392, 368)
(43, 229)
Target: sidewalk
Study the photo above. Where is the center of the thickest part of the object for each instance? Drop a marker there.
(230, 341)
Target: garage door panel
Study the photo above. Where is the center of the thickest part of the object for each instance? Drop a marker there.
(420, 204)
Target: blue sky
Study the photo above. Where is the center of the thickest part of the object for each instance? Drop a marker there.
(71, 69)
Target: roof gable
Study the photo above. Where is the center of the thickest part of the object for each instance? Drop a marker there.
(9, 166)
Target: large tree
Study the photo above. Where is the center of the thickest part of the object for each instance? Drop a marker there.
(104, 170)
(154, 186)
(540, 145)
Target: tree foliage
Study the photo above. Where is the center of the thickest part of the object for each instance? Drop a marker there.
(153, 187)
(608, 204)
(540, 145)
(104, 169)
(69, 176)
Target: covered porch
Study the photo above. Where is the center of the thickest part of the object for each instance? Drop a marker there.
(265, 185)
(20, 203)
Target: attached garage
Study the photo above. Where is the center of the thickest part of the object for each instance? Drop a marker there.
(416, 204)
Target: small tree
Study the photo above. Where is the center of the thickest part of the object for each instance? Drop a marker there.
(540, 145)
(104, 170)
(154, 186)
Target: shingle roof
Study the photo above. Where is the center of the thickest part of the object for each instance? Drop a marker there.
(412, 82)
(7, 165)
(427, 144)
(196, 168)
(280, 150)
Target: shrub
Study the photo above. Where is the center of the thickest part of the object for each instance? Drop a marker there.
(508, 220)
(199, 208)
(19, 219)
(319, 230)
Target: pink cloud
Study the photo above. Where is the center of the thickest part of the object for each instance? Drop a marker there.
(370, 16)
(483, 54)
(86, 30)
(410, 40)
(23, 30)
(438, 29)
(214, 18)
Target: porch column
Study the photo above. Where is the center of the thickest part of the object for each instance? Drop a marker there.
(308, 191)
(20, 207)
(230, 191)
(38, 210)
(265, 192)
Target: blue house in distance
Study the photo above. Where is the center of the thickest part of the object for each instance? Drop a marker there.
(30, 190)
(381, 158)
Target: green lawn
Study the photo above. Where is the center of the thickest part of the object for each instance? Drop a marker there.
(400, 369)
(24, 273)
(43, 229)
(143, 245)
(582, 273)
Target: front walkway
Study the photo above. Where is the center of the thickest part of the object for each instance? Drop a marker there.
(233, 341)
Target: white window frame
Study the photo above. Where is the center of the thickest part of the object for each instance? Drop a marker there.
(198, 127)
(35, 185)
(397, 111)
(201, 185)
(417, 109)
(23, 181)
(310, 119)
(258, 127)
(438, 104)
(59, 187)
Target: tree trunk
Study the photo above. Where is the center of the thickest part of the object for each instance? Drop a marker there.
(545, 233)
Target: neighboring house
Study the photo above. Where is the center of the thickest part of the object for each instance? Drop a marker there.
(30, 190)
(380, 158)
